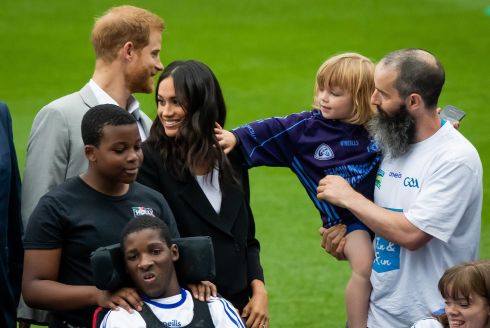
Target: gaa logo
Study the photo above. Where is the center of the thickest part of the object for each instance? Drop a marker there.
(411, 182)
(324, 152)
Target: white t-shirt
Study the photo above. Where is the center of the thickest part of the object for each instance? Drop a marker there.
(209, 184)
(427, 323)
(175, 311)
(437, 184)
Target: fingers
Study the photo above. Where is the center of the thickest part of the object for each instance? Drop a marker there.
(218, 132)
(322, 186)
(339, 252)
(203, 291)
(213, 290)
(114, 307)
(331, 236)
(128, 298)
(256, 312)
(194, 290)
(119, 301)
(257, 322)
(225, 138)
(333, 240)
(255, 319)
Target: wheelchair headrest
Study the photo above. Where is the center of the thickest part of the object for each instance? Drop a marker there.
(195, 263)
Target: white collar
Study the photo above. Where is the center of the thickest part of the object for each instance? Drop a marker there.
(104, 98)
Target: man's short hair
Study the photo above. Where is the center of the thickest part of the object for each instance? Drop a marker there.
(120, 25)
(146, 222)
(97, 117)
(419, 72)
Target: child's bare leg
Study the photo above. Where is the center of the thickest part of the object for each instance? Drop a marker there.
(359, 251)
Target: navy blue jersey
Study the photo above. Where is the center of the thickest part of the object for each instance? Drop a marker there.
(313, 147)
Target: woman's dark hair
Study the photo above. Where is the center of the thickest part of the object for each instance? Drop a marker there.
(195, 146)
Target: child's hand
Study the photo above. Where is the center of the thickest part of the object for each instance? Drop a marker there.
(333, 240)
(126, 298)
(226, 139)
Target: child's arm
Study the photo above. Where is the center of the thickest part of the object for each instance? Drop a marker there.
(41, 289)
(268, 142)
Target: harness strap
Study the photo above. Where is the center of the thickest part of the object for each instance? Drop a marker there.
(201, 319)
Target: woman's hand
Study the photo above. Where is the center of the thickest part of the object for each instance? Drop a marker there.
(256, 312)
(203, 291)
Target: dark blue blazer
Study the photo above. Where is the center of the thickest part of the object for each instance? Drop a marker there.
(11, 250)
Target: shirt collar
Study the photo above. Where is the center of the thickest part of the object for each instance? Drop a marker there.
(104, 98)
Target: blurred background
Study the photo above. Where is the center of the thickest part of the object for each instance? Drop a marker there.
(265, 55)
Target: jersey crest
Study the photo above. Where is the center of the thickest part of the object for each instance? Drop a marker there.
(324, 152)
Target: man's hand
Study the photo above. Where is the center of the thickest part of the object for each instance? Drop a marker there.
(203, 291)
(455, 123)
(226, 139)
(333, 240)
(127, 298)
(335, 190)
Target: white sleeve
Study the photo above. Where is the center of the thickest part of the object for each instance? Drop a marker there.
(123, 319)
(224, 315)
(444, 198)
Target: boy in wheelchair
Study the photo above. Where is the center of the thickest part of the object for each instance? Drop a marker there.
(150, 260)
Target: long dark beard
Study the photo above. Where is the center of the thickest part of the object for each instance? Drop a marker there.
(392, 133)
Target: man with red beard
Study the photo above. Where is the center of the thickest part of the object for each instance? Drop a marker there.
(127, 43)
(427, 204)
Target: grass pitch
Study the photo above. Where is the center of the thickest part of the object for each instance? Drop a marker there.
(265, 54)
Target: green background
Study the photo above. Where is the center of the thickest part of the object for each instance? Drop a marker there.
(265, 54)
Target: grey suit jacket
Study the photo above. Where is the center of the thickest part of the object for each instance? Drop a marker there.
(55, 153)
(55, 148)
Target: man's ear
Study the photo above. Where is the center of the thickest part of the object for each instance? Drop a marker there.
(414, 101)
(128, 50)
(174, 251)
(90, 153)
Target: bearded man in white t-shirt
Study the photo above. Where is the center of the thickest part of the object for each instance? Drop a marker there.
(426, 213)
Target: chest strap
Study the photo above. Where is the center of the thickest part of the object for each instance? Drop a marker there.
(201, 318)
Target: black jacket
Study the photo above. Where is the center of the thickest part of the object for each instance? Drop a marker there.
(232, 231)
(11, 250)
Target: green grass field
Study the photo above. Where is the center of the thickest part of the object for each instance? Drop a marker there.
(265, 54)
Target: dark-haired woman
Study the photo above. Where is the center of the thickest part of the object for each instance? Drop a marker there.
(206, 190)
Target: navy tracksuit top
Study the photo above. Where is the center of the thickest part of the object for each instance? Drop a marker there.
(313, 147)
